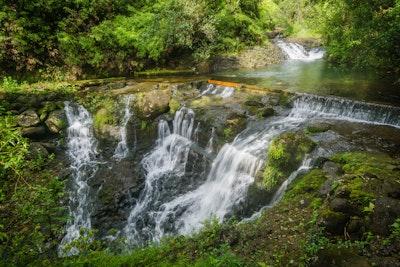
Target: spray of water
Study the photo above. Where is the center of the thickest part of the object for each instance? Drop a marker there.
(82, 153)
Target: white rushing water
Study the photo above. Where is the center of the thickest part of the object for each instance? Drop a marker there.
(298, 52)
(82, 153)
(122, 149)
(226, 185)
(169, 158)
(309, 106)
(218, 90)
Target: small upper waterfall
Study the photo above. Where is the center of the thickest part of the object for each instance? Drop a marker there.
(297, 51)
(219, 90)
(122, 149)
(308, 106)
(168, 158)
(82, 153)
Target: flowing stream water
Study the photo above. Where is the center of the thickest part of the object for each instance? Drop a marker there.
(170, 202)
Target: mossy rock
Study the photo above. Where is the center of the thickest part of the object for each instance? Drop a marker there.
(174, 105)
(103, 116)
(285, 154)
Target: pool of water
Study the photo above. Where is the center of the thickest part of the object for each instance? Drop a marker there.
(317, 77)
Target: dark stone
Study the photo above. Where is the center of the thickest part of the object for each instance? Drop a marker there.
(268, 112)
(392, 189)
(340, 257)
(334, 222)
(341, 205)
(33, 132)
(386, 211)
(37, 150)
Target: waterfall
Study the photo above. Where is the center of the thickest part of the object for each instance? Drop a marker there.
(218, 90)
(165, 163)
(122, 150)
(298, 52)
(308, 106)
(231, 173)
(210, 143)
(82, 153)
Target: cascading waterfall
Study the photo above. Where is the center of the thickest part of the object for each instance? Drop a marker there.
(226, 186)
(168, 160)
(82, 153)
(122, 149)
(298, 52)
(308, 106)
(166, 207)
(218, 90)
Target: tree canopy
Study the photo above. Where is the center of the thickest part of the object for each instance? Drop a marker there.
(117, 37)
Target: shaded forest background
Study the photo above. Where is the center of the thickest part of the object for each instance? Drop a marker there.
(66, 39)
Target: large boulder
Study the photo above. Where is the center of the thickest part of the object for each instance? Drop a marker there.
(153, 104)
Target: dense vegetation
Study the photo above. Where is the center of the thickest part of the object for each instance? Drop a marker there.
(57, 40)
(53, 39)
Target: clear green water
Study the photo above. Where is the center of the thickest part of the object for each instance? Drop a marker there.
(317, 77)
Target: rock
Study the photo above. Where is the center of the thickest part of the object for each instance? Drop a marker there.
(392, 189)
(340, 257)
(333, 169)
(28, 118)
(341, 205)
(334, 222)
(33, 132)
(37, 150)
(268, 112)
(386, 211)
(56, 121)
(153, 104)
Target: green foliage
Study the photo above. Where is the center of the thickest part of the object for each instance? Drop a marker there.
(363, 34)
(30, 215)
(120, 36)
(395, 232)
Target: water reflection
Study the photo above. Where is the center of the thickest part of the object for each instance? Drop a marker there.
(317, 77)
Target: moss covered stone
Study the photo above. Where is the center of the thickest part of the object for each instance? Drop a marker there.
(285, 154)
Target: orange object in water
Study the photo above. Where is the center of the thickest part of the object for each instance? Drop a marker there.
(222, 83)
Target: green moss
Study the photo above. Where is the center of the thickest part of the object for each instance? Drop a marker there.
(316, 129)
(102, 117)
(285, 154)
(173, 106)
(204, 101)
(306, 187)
(284, 98)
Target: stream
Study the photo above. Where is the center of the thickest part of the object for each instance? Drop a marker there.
(185, 182)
